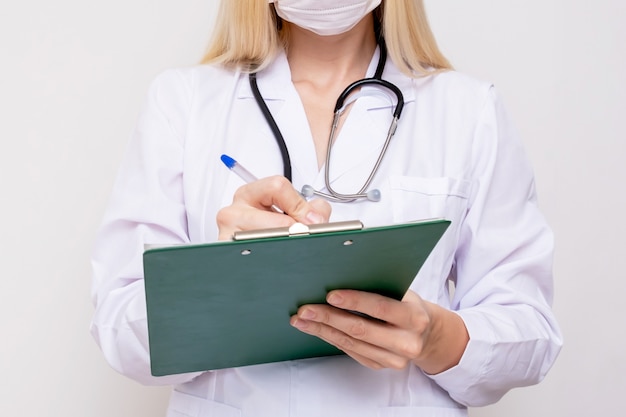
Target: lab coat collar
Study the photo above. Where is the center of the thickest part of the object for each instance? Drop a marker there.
(274, 82)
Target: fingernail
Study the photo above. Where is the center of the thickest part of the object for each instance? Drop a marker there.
(334, 299)
(299, 324)
(307, 315)
(314, 218)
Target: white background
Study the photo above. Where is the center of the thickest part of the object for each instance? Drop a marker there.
(74, 73)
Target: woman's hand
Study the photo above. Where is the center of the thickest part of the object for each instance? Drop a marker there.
(407, 331)
(254, 207)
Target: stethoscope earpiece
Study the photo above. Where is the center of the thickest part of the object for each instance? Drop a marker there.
(307, 191)
(373, 195)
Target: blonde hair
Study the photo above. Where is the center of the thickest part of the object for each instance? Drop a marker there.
(249, 34)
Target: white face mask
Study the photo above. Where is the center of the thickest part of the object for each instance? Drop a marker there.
(324, 17)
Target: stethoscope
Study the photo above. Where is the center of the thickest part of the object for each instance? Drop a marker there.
(340, 106)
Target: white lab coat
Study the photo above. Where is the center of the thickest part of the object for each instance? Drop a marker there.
(455, 155)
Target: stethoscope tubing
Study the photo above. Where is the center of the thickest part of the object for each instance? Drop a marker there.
(369, 81)
(332, 195)
(280, 140)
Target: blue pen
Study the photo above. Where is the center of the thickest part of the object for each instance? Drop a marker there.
(238, 169)
(242, 173)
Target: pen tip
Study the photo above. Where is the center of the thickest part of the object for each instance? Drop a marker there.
(228, 161)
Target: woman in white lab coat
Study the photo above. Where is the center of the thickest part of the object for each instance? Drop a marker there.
(477, 320)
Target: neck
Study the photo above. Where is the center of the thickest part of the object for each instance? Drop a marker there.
(328, 60)
(322, 66)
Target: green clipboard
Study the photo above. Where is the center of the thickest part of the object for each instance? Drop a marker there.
(228, 304)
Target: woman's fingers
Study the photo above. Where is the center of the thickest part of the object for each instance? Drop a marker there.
(269, 202)
(370, 342)
(395, 333)
(387, 333)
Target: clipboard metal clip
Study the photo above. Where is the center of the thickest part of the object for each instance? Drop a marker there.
(298, 229)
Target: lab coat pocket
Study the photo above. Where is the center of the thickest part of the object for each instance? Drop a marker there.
(185, 405)
(422, 411)
(417, 198)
